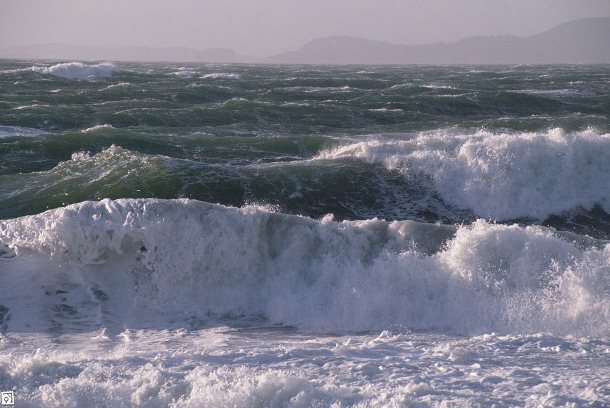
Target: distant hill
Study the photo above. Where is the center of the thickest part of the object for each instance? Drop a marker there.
(585, 41)
(74, 52)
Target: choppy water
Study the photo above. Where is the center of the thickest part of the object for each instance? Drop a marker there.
(306, 236)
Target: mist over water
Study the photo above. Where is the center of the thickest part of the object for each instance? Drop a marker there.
(304, 236)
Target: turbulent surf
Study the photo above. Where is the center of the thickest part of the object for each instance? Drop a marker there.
(241, 235)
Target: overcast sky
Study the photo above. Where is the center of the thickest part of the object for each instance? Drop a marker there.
(264, 27)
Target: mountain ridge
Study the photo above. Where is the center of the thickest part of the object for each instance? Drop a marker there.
(576, 41)
(583, 41)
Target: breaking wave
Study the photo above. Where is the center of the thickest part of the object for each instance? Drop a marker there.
(503, 176)
(78, 70)
(221, 75)
(149, 262)
(96, 128)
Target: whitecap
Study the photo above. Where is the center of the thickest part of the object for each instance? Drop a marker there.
(554, 92)
(97, 127)
(500, 175)
(78, 70)
(385, 110)
(173, 259)
(185, 72)
(437, 86)
(221, 75)
(117, 85)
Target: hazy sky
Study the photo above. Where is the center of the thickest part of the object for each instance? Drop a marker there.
(264, 27)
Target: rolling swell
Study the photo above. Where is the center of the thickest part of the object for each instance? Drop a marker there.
(154, 262)
(294, 185)
(447, 175)
(500, 175)
(382, 235)
(450, 145)
(257, 99)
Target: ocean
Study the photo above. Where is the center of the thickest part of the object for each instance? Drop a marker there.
(209, 235)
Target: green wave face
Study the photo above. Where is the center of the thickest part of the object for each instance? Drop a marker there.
(239, 134)
(295, 100)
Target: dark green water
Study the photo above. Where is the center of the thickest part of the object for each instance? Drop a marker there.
(434, 144)
(149, 302)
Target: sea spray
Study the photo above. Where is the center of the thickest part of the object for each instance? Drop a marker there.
(502, 176)
(345, 262)
(77, 70)
(188, 258)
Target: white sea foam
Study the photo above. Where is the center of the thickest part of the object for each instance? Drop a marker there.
(154, 261)
(96, 128)
(219, 367)
(31, 106)
(554, 92)
(185, 72)
(437, 86)
(500, 175)
(316, 89)
(220, 75)
(117, 85)
(385, 110)
(78, 70)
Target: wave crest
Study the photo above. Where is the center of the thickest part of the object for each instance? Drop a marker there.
(179, 259)
(78, 70)
(502, 176)
(221, 75)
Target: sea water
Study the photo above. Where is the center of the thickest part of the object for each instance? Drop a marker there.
(241, 235)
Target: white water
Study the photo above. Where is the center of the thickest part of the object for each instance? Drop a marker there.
(96, 128)
(180, 259)
(180, 303)
(500, 175)
(220, 75)
(226, 366)
(117, 85)
(185, 72)
(78, 70)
